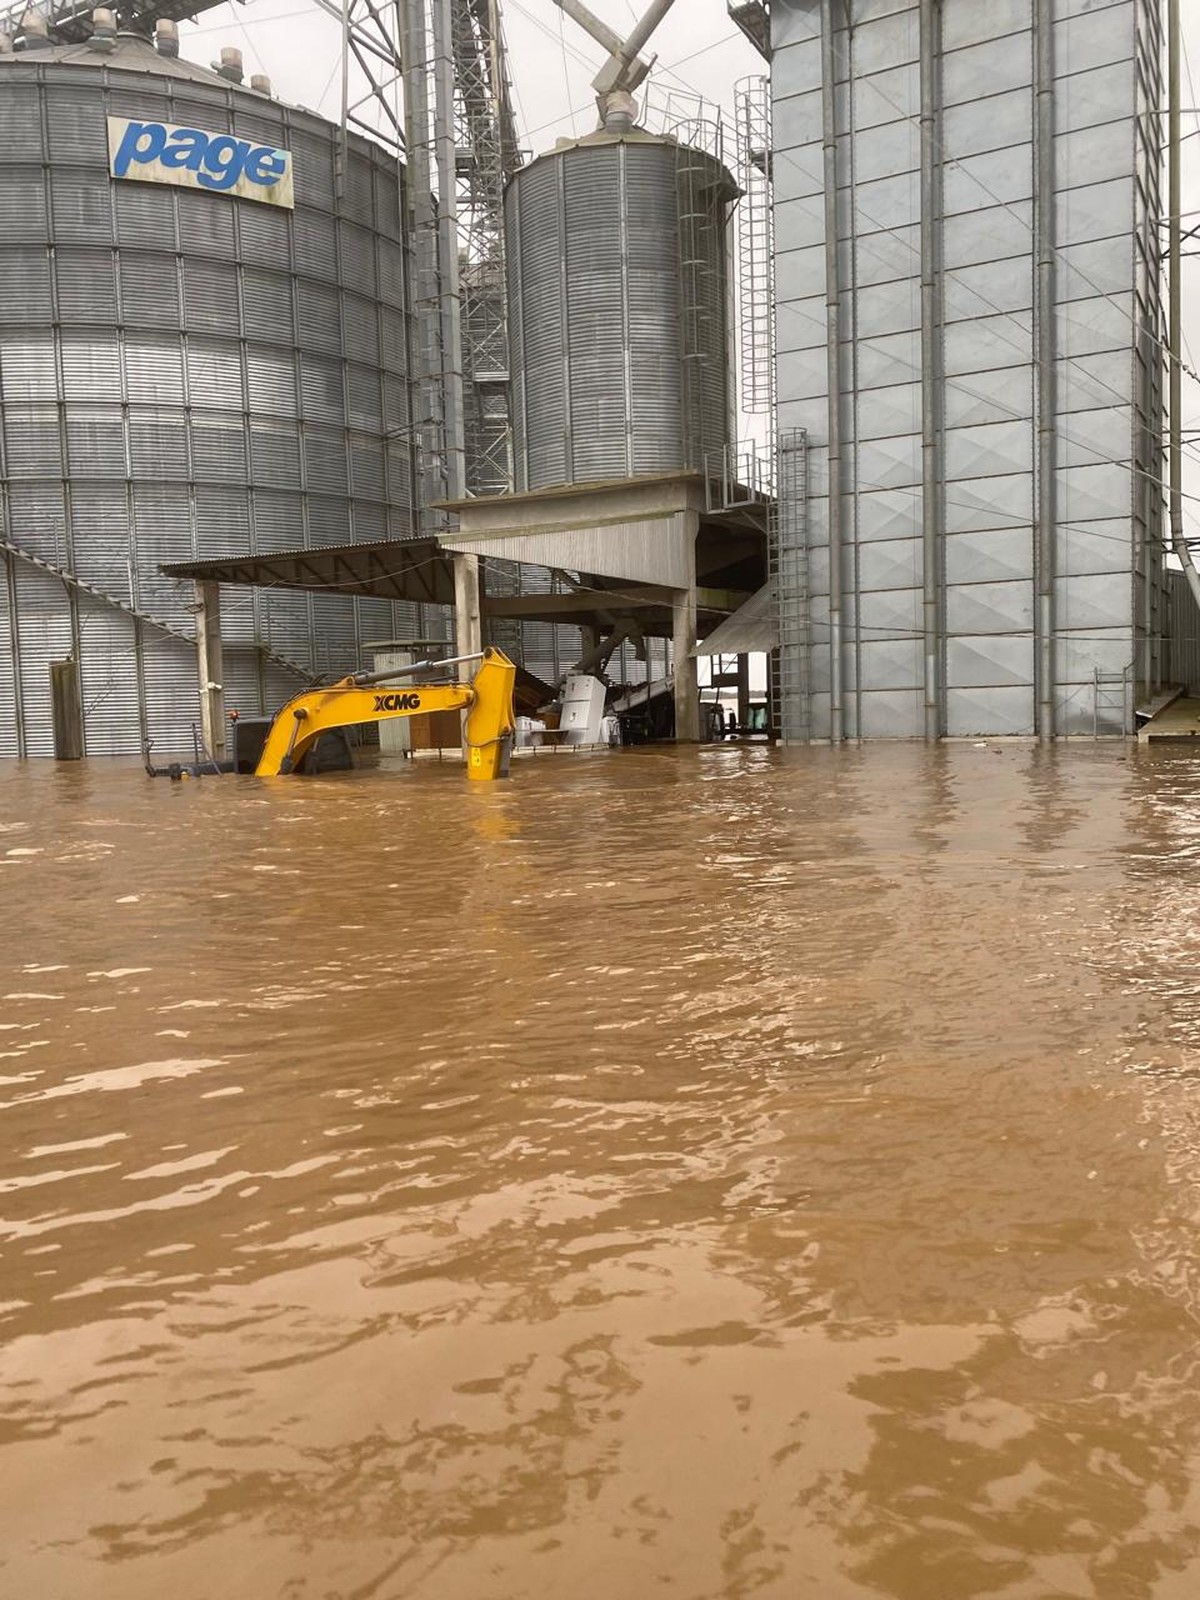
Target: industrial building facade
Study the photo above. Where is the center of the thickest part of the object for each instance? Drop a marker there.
(968, 337)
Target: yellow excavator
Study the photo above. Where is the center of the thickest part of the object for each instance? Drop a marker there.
(375, 697)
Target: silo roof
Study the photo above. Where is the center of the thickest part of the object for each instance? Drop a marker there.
(130, 53)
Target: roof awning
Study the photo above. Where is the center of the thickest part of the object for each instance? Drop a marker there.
(417, 569)
(751, 629)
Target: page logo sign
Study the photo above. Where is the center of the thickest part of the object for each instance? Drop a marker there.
(159, 152)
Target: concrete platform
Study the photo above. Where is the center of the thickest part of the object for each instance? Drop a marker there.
(1179, 721)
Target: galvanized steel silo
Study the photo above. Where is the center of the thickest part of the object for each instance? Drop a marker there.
(618, 309)
(184, 374)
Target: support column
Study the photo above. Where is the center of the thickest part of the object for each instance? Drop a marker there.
(468, 612)
(743, 691)
(685, 637)
(210, 666)
(687, 686)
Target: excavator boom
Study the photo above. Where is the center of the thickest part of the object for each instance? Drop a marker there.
(488, 701)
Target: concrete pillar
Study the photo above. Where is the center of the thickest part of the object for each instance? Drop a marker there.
(743, 691)
(687, 687)
(468, 612)
(213, 726)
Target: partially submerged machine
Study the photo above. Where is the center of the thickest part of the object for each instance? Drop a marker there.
(374, 697)
(279, 746)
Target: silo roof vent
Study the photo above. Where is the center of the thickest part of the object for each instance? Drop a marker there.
(230, 64)
(104, 31)
(35, 31)
(166, 37)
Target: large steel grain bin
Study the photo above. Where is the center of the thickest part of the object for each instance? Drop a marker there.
(618, 278)
(186, 370)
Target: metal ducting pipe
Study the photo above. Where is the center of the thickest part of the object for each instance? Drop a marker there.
(1047, 352)
(833, 339)
(932, 503)
(620, 112)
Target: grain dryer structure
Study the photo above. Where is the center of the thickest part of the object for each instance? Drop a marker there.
(969, 337)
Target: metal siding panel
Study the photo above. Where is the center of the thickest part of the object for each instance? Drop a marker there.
(222, 523)
(96, 442)
(319, 315)
(271, 381)
(158, 444)
(145, 215)
(214, 374)
(81, 207)
(263, 235)
(45, 623)
(172, 695)
(20, 123)
(325, 458)
(267, 299)
(154, 369)
(274, 452)
(25, 211)
(91, 365)
(210, 291)
(360, 329)
(278, 520)
(315, 236)
(978, 713)
(108, 676)
(86, 284)
(25, 290)
(205, 224)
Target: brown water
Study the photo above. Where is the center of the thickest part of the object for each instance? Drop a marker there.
(712, 1175)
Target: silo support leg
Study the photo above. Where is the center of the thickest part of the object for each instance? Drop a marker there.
(468, 610)
(687, 688)
(468, 621)
(211, 669)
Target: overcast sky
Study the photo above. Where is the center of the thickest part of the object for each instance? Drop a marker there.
(552, 60)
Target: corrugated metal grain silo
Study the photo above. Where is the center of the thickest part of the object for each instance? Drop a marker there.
(619, 309)
(184, 372)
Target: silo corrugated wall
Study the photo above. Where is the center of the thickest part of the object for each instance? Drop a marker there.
(184, 374)
(618, 293)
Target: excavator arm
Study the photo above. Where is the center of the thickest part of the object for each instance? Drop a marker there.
(487, 700)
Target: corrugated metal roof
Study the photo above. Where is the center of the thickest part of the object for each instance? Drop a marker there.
(414, 569)
(129, 54)
(752, 628)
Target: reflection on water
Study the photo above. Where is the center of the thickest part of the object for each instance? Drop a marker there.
(724, 1174)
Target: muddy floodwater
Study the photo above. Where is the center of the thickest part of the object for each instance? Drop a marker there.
(711, 1174)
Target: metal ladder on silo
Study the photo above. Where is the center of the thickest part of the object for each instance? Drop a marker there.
(1111, 692)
